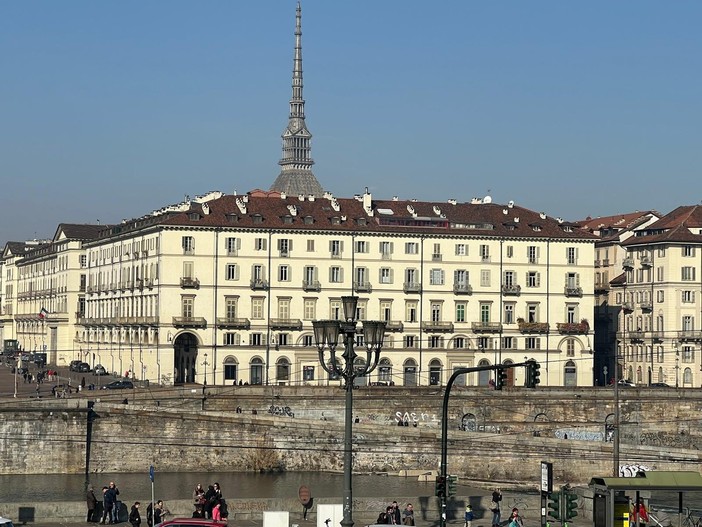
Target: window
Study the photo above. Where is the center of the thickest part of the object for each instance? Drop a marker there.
(256, 371)
(232, 272)
(83, 260)
(284, 308)
(385, 275)
(532, 343)
(570, 348)
(688, 323)
(485, 277)
(310, 246)
(411, 311)
(572, 280)
(231, 339)
(533, 254)
(460, 277)
(386, 249)
(256, 339)
(233, 245)
(436, 254)
(410, 341)
(362, 246)
(688, 250)
(230, 371)
(310, 273)
(187, 306)
(533, 279)
(257, 274)
(485, 253)
(282, 370)
(257, 308)
(436, 341)
(283, 339)
(485, 312)
(361, 309)
(285, 247)
(461, 249)
(532, 313)
(571, 314)
(310, 309)
(336, 275)
(260, 244)
(436, 277)
(688, 273)
(509, 343)
(188, 243)
(572, 255)
(336, 247)
(459, 343)
(307, 341)
(509, 279)
(361, 275)
(386, 310)
(230, 307)
(308, 373)
(509, 314)
(688, 354)
(335, 312)
(460, 311)
(283, 273)
(411, 276)
(411, 248)
(688, 297)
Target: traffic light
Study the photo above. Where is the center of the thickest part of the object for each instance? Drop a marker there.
(500, 378)
(571, 505)
(440, 486)
(532, 374)
(554, 505)
(451, 485)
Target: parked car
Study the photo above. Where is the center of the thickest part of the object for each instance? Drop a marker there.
(625, 382)
(119, 385)
(660, 385)
(99, 370)
(83, 367)
(74, 364)
(5, 522)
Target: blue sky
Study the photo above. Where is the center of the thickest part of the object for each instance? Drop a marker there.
(112, 109)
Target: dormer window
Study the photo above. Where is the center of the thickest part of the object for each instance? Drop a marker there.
(567, 228)
(536, 227)
(336, 220)
(361, 221)
(232, 218)
(257, 218)
(194, 216)
(287, 219)
(308, 220)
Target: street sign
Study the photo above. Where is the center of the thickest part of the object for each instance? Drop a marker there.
(151, 473)
(546, 477)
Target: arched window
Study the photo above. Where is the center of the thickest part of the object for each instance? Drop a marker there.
(639, 374)
(687, 377)
(570, 374)
(660, 375)
(359, 365)
(384, 371)
(484, 376)
(231, 367)
(410, 373)
(282, 370)
(630, 373)
(435, 372)
(256, 371)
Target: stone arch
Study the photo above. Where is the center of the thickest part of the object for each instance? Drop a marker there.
(185, 352)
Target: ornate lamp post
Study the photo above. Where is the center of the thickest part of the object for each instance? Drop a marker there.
(326, 335)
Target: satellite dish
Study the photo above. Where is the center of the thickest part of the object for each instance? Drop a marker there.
(487, 199)
(510, 204)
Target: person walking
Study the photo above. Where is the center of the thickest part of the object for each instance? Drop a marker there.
(468, 517)
(495, 507)
(91, 502)
(107, 504)
(134, 515)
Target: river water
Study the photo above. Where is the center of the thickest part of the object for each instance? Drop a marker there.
(169, 486)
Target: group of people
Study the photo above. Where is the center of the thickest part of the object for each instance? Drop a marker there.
(111, 508)
(515, 519)
(394, 516)
(209, 503)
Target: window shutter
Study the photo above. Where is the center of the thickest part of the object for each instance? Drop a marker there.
(392, 247)
(538, 250)
(331, 245)
(290, 245)
(392, 276)
(341, 246)
(538, 279)
(331, 274)
(264, 244)
(441, 275)
(380, 275)
(238, 243)
(280, 244)
(341, 274)
(314, 273)
(577, 279)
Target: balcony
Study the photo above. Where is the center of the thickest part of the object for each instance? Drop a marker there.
(646, 307)
(646, 261)
(233, 323)
(573, 328)
(394, 326)
(605, 262)
(291, 324)
(412, 287)
(486, 327)
(461, 288)
(148, 282)
(189, 283)
(636, 336)
(602, 287)
(628, 263)
(436, 257)
(511, 289)
(311, 285)
(690, 335)
(628, 307)
(532, 327)
(362, 287)
(657, 336)
(598, 263)
(573, 291)
(437, 327)
(90, 289)
(189, 322)
(258, 284)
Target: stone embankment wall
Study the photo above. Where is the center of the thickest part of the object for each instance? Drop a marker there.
(301, 428)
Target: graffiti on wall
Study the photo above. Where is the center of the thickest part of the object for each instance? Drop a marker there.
(281, 410)
(580, 435)
(414, 417)
(630, 471)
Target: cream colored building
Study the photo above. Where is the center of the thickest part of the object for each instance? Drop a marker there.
(660, 297)
(225, 289)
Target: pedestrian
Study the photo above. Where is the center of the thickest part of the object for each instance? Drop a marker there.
(216, 516)
(495, 507)
(112, 488)
(408, 515)
(640, 513)
(396, 514)
(515, 520)
(198, 512)
(468, 517)
(210, 499)
(91, 502)
(134, 516)
(107, 503)
(199, 494)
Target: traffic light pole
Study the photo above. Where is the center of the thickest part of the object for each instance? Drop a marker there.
(443, 470)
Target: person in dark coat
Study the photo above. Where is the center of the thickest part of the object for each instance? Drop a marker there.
(91, 502)
(134, 516)
(108, 501)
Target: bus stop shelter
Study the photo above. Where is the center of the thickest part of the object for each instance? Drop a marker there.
(610, 507)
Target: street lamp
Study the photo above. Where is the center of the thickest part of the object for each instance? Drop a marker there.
(205, 363)
(326, 335)
(677, 368)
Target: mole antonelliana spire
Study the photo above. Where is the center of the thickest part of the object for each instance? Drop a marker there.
(296, 175)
